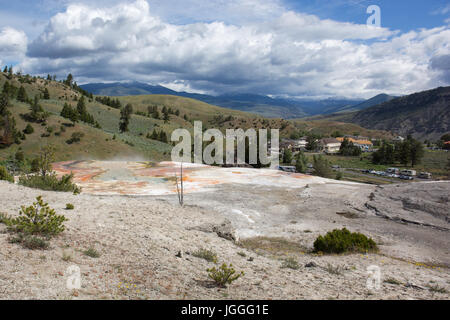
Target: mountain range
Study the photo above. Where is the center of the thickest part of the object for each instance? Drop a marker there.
(266, 106)
(424, 115)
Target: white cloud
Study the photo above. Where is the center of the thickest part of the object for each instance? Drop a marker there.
(13, 43)
(442, 10)
(290, 53)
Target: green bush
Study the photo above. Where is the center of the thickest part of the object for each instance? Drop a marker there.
(4, 174)
(38, 219)
(4, 218)
(30, 242)
(208, 255)
(340, 241)
(91, 252)
(224, 275)
(69, 206)
(76, 137)
(50, 182)
(35, 165)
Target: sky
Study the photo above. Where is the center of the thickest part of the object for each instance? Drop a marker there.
(286, 48)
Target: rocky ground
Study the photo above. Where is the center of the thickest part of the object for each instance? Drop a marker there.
(147, 244)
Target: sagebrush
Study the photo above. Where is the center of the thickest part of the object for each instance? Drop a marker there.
(5, 175)
(50, 182)
(340, 241)
(208, 255)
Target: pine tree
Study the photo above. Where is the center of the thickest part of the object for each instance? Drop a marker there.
(6, 89)
(311, 143)
(10, 134)
(404, 152)
(35, 106)
(162, 136)
(81, 108)
(65, 112)
(22, 95)
(125, 115)
(301, 162)
(322, 167)
(287, 156)
(69, 80)
(4, 103)
(154, 135)
(166, 116)
(46, 94)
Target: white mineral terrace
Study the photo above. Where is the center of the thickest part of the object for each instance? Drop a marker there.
(145, 178)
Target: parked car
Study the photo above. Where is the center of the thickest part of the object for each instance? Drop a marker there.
(425, 175)
(393, 170)
(408, 172)
(406, 177)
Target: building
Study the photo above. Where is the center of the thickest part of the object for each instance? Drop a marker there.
(363, 144)
(293, 145)
(330, 145)
(300, 144)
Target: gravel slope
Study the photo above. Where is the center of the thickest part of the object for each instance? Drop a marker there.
(139, 239)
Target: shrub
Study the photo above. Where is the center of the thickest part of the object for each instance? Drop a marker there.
(5, 175)
(334, 270)
(69, 206)
(76, 137)
(35, 165)
(4, 218)
(340, 241)
(208, 255)
(91, 252)
(50, 182)
(437, 289)
(66, 256)
(28, 129)
(224, 275)
(392, 281)
(39, 219)
(19, 156)
(290, 263)
(30, 242)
